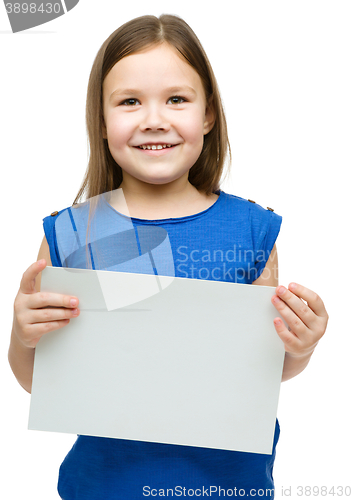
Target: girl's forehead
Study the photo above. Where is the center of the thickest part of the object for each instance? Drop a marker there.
(156, 65)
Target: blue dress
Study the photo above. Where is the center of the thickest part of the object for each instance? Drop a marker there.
(230, 241)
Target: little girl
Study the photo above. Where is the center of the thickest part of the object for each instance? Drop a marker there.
(157, 131)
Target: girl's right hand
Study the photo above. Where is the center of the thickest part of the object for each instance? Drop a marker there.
(37, 313)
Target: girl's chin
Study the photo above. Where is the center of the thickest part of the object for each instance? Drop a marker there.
(155, 180)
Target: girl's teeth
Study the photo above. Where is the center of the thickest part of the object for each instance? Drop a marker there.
(158, 146)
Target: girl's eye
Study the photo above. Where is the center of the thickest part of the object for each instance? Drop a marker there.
(128, 101)
(177, 97)
(131, 101)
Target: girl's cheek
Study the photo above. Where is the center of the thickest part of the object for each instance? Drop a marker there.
(119, 132)
(195, 135)
(188, 128)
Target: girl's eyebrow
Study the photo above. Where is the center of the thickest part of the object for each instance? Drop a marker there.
(122, 92)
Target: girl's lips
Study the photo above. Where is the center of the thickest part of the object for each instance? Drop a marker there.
(156, 152)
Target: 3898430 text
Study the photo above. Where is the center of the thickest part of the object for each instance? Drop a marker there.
(316, 491)
(33, 8)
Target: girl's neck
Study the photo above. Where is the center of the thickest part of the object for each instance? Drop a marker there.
(161, 203)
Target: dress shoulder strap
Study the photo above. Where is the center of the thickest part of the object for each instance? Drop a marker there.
(50, 234)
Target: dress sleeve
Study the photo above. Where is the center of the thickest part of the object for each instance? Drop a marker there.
(49, 230)
(265, 227)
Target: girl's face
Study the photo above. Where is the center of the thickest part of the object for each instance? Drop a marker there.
(155, 97)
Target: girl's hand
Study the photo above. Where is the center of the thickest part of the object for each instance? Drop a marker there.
(306, 322)
(37, 313)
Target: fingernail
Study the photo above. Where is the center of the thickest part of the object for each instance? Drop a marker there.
(292, 286)
(73, 302)
(281, 290)
(277, 322)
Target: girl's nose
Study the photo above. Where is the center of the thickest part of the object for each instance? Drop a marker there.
(154, 119)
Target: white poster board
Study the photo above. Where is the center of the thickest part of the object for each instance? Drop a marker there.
(190, 362)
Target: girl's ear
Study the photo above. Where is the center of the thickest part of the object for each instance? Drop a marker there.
(210, 118)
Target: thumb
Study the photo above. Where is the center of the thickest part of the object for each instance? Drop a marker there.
(28, 280)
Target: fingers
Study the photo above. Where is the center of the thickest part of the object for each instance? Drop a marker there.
(290, 340)
(29, 276)
(51, 314)
(299, 346)
(306, 322)
(47, 320)
(32, 333)
(299, 312)
(43, 301)
(293, 310)
(37, 313)
(49, 299)
(42, 307)
(32, 323)
(296, 326)
(315, 302)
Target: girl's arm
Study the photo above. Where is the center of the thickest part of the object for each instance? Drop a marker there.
(306, 321)
(33, 318)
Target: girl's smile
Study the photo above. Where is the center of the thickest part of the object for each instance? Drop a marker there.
(157, 149)
(155, 116)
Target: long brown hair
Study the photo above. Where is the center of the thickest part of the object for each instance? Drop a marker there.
(103, 174)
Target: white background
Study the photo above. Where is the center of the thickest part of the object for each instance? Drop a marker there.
(285, 74)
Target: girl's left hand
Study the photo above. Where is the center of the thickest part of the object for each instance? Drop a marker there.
(306, 323)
